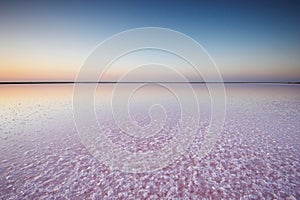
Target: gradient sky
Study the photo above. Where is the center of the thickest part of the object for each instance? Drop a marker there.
(248, 40)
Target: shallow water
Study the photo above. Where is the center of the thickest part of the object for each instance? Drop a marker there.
(256, 155)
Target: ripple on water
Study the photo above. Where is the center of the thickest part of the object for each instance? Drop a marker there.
(256, 157)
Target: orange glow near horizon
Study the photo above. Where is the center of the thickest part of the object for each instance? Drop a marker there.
(49, 62)
(37, 74)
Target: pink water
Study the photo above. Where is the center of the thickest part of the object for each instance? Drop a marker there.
(256, 156)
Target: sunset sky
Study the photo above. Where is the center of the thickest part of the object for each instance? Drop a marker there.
(248, 40)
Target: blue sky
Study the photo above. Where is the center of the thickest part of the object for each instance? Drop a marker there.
(248, 40)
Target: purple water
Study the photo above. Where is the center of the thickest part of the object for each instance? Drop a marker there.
(257, 155)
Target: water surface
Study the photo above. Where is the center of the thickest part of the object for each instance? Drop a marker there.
(255, 157)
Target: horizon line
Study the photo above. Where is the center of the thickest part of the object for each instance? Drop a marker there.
(170, 82)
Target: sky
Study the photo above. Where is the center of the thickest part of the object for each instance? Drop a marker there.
(248, 40)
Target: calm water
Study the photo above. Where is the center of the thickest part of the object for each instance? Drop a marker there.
(257, 154)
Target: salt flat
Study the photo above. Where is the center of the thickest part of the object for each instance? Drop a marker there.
(256, 155)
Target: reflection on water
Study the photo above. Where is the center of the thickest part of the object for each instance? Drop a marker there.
(256, 156)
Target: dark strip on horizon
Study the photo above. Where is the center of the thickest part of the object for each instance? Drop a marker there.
(115, 82)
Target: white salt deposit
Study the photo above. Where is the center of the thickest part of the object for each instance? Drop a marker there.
(256, 156)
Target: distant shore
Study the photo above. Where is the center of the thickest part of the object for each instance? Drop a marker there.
(126, 82)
